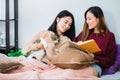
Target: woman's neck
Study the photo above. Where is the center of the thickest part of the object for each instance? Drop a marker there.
(59, 32)
(96, 30)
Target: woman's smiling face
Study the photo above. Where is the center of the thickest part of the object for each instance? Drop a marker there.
(63, 24)
(91, 20)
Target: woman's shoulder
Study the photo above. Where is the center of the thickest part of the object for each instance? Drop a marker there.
(44, 31)
(110, 33)
(41, 31)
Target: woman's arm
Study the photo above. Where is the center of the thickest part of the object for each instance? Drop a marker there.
(34, 44)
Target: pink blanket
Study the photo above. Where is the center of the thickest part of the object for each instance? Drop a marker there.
(34, 69)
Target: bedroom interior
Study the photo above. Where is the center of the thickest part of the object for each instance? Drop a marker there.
(35, 15)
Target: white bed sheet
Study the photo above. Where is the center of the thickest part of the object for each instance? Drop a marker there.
(115, 76)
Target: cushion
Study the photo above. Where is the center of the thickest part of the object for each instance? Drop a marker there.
(7, 64)
(72, 58)
(116, 65)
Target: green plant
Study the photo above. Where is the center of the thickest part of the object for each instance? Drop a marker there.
(15, 53)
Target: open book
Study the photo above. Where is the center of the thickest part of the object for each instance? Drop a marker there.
(89, 45)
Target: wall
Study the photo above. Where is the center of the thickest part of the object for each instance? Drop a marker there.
(36, 15)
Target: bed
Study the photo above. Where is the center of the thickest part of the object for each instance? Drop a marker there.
(33, 70)
(115, 76)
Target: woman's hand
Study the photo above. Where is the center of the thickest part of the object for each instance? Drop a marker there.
(79, 42)
(40, 46)
(91, 54)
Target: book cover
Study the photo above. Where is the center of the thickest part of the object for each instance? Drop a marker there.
(88, 45)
